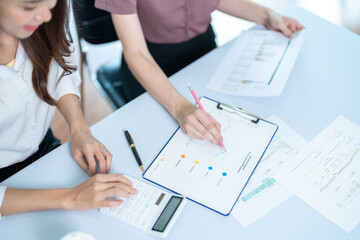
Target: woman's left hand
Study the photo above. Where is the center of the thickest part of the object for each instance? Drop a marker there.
(87, 150)
(286, 25)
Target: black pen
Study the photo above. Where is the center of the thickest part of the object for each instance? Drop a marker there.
(132, 146)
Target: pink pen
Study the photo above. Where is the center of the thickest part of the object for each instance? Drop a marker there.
(202, 108)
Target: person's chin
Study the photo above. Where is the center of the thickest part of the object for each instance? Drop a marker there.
(24, 34)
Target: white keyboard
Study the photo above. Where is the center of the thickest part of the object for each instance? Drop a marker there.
(152, 209)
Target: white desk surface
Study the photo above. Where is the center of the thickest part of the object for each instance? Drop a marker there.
(324, 83)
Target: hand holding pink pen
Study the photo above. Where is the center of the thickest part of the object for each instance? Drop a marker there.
(202, 108)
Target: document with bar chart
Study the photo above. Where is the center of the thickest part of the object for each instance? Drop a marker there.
(258, 64)
(263, 193)
(326, 174)
(203, 171)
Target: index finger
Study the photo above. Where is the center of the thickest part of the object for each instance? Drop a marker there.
(79, 158)
(209, 125)
(113, 178)
(101, 162)
(284, 29)
(108, 158)
(292, 27)
(216, 123)
(91, 162)
(217, 126)
(297, 25)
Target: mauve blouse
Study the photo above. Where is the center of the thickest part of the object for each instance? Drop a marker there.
(166, 21)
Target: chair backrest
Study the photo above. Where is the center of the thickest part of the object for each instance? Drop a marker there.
(94, 25)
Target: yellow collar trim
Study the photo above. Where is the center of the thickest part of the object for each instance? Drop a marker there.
(11, 64)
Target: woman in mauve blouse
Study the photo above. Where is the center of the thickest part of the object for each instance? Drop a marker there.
(160, 37)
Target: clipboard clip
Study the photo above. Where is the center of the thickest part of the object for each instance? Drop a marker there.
(230, 109)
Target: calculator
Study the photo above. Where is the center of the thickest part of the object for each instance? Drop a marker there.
(152, 210)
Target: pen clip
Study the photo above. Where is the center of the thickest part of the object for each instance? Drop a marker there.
(230, 109)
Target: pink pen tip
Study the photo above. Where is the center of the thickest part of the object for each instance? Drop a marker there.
(223, 146)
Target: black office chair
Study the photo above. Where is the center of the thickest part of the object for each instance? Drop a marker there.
(95, 26)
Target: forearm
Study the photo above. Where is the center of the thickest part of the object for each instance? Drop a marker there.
(18, 200)
(143, 66)
(69, 106)
(153, 79)
(246, 10)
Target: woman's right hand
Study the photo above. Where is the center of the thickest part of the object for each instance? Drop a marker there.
(92, 193)
(194, 122)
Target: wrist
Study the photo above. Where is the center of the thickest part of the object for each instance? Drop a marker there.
(61, 199)
(268, 13)
(77, 127)
(178, 107)
(65, 200)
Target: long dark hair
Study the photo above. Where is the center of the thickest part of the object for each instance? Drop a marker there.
(50, 41)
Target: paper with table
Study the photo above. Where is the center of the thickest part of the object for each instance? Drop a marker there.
(202, 171)
(326, 174)
(258, 64)
(263, 193)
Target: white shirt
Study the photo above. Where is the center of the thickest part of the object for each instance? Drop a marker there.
(24, 117)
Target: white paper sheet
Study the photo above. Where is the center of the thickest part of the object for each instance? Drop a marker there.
(202, 171)
(326, 173)
(258, 64)
(263, 193)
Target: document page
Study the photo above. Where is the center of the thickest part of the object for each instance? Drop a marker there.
(326, 173)
(263, 193)
(258, 64)
(203, 171)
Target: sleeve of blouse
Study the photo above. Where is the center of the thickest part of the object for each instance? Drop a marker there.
(2, 194)
(68, 85)
(117, 6)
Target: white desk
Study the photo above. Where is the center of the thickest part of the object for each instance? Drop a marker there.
(324, 83)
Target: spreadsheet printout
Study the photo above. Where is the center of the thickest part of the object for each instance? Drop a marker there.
(326, 173)
(258, 64)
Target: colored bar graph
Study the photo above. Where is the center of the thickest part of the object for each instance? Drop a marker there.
(267, 183)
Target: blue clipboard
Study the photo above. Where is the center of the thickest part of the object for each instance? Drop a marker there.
(219, 189)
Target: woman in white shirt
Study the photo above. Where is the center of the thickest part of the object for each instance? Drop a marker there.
(35, 77)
